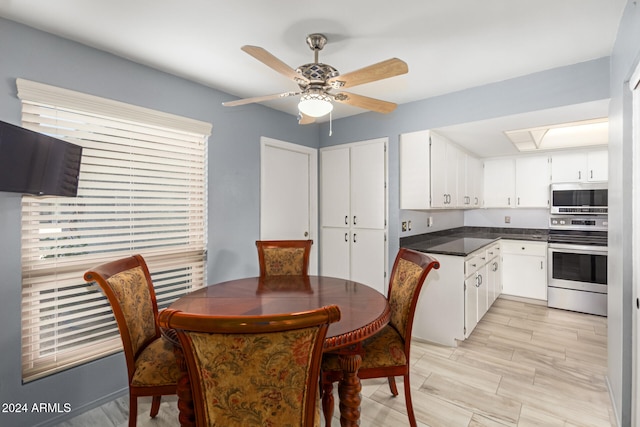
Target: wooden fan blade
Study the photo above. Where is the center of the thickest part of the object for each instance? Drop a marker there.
(258, 99)
(274, 63)
(303, 119)
(365, 102)
(382, 70)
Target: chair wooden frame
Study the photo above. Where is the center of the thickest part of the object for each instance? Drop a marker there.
(101, 274)
(183, 324)
(282, 244)
(426, 263)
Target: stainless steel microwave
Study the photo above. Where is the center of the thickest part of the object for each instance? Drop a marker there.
(579, 198)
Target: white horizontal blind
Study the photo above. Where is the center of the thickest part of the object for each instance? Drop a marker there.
(142, 189)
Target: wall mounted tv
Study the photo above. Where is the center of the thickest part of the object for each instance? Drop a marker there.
(37, 164)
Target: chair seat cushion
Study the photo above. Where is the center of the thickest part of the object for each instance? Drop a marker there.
(156, 365)
(384, 349)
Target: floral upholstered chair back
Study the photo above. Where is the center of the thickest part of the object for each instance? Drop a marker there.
(133, 296)
(254, 370)
(408, 276)
(283, 257)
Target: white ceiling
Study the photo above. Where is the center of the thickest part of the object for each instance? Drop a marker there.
(441, 40)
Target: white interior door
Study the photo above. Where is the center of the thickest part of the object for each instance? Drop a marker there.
(288, 194)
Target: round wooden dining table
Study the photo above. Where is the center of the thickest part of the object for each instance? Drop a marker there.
(364, 311)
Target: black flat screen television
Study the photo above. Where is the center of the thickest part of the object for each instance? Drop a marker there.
(37, 164)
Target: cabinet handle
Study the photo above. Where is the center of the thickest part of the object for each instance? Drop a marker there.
(476, 201)
(495, 266)
(591, 174)
(354, 220)
(579, 174)
(354, 238)
(518, 201)
(346, 220)
(346, 237)
(541, 266)
(508, 201)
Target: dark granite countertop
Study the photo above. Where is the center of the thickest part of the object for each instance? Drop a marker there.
(462, 241)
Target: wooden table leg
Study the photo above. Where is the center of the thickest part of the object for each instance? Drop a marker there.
(186, 415)
(349, 388)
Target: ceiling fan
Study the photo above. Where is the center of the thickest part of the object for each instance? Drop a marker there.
(317, 80)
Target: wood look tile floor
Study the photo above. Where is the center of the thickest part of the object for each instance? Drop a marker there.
(524, 365)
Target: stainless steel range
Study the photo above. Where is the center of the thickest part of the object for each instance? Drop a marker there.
(577, 263)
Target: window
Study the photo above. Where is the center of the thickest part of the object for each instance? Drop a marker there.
(142, 190)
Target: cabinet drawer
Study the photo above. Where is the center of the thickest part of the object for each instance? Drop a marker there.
(473, 263)
(493, 251)
(524, 247)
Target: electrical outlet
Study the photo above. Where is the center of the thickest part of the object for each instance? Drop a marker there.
(404, 225)
(507, 219)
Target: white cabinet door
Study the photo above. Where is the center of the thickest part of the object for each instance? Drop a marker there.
(444, 172)
(568, 167)
(335, 188)
(368, 185)
(598, 165)
(335, 247)
(499, 183)
(494, 278)
(474, 179)
(470, 304)
(524, 269)
(368, 258)
(483, 291)
(532, 182)
(415, 171)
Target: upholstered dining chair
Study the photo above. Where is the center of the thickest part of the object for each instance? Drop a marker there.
(284, 257)
(152, 369)
(260, 370)
(386, 354)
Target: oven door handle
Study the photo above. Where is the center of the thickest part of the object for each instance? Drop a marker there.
(579, 248)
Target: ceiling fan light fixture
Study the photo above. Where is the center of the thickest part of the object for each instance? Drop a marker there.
(315, 104)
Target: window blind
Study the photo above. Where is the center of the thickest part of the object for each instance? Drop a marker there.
(142, 189)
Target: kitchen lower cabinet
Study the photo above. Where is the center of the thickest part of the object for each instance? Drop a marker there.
(456, 297)
(440, 312)
(524, 269)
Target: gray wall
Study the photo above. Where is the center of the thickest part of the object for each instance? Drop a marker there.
(234, 169)
(234, 191)
(625, 58)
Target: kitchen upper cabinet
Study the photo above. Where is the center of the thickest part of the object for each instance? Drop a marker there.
(532, 182)
(521, 182)
(524, 269)
(445, 159)
(415, 171)
(499, 183)
(353, 197)
(580, 167)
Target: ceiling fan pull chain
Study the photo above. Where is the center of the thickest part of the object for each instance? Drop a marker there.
(330, 124)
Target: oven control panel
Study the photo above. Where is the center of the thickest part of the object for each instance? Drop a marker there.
(576, 222)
